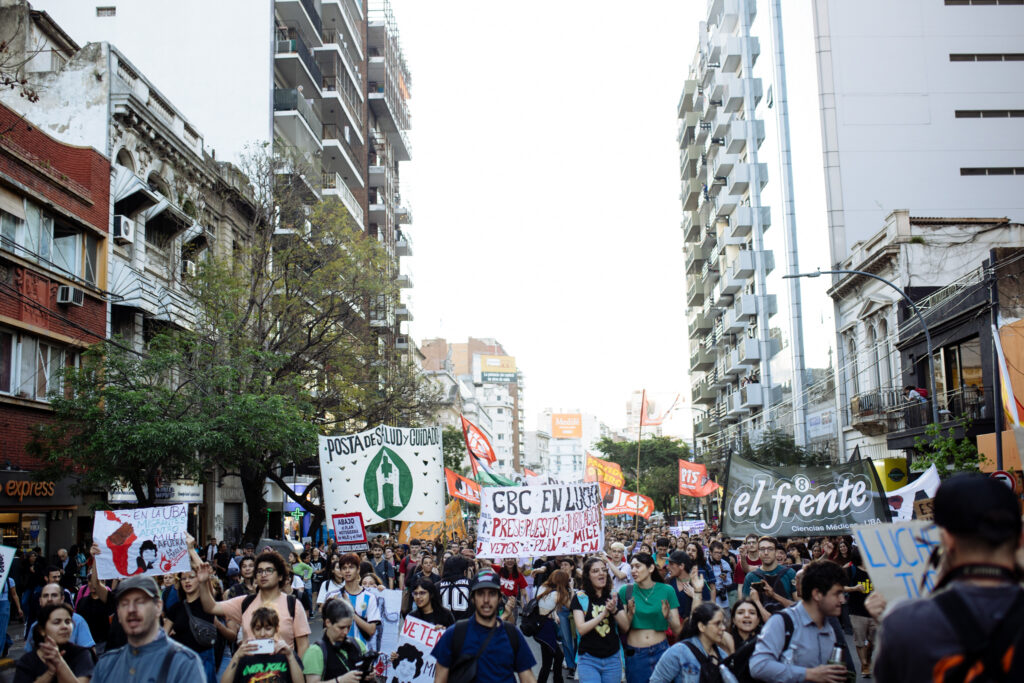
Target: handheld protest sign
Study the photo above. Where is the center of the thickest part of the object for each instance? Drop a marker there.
(349, 532)
(897, 556)
(6, 557)
(528, 521)
(415, 664)
(141, 541)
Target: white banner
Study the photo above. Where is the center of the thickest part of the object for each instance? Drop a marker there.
(142, 541)
(6, 557)
(530, 521)
(384, 473)
(385, 640)
(901, 501)
(415, 664)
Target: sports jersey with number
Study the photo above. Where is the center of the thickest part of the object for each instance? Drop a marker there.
(455, 597)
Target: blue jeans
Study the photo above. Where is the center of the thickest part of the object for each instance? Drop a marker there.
(208, 664)
(566, 638)
(600, 670)
(5, 619)
(640, 661)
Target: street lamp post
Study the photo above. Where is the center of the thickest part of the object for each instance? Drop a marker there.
(920, 319)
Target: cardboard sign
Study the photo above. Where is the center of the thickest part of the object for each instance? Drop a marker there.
(603, 471)
(528, 521)
(801, 501)
(462, 487)
(428, 531)
(142, 541)
(415, 664)
(385, 639)
(924, 510)
(615, 501)
(349, 532)
(384, 473)
(897, 555)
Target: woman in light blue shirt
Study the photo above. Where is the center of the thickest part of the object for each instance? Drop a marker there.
(684, 661)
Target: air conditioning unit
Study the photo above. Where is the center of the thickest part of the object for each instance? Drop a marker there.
(188, 268)
(70, 295)
(124, 230)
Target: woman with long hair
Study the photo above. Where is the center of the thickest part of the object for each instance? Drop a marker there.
(54, 654)
(701, 647)
(427, 601)
(651, 608)
(595, 610)
(552, 593)
(178, 617)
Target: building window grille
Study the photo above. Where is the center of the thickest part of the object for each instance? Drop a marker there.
(989, 113)
(986, 57)
(996, 170)
(107, 11)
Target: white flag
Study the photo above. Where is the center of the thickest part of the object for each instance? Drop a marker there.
(384, 473)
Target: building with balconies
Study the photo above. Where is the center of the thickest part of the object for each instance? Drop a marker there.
(725, 260)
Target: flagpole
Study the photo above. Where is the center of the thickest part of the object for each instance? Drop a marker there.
(639, 437)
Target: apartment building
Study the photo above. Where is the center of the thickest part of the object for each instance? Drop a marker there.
(728, 306)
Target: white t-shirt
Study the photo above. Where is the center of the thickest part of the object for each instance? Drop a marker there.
(618, 583)
(329, 590)
(297, 584)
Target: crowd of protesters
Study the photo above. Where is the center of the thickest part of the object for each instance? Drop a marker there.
(655, 606)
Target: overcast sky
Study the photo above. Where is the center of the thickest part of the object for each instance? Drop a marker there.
(545, 184)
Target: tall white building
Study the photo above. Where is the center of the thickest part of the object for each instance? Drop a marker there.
(921, 109)
(498, 402)
(728, 306)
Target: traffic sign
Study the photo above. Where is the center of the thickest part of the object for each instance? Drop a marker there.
(1005, 477)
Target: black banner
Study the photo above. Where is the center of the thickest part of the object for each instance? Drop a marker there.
(801, 501)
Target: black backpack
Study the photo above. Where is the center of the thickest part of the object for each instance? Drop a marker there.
(997, 655)
(709, 671)
(530, 619)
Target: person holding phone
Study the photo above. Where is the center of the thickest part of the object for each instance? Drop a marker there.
(264, 658)
(336, 658)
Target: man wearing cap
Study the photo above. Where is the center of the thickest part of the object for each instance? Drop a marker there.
(149, 651)
(483, 636)
(979, 524)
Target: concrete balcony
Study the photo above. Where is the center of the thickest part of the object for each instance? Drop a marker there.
(382, 321)
(732, 52)
(334, 186)
(735, 92)
(403, 314)
(301, 14)
(731, 323)
(691, 226)
(749, 351)
(703, 394)
(688, 128)
(403, 245)
(294, 61)
(751, 396)
(695, 293)
(726, 204)
(295, 119)
(743, 175)
(717, 378)
(689, 159)
(745, 307)
(695, 258)
(731, 283)
(701, 360)
(403, 215)
(741, 223)
(378, 213)
(378, 176)
(341, 155)
(739, 131)
(404, 281)
(735, 366)
(735, 407)
(402, 343)
(691, 194)
(743, 266)
(686, 98)
(709, 273)
(723, 164)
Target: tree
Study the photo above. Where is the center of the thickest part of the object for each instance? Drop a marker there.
(941, 448)
(779, 449)
(454, 450)
(659, 466)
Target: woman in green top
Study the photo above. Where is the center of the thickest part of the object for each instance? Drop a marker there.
(651, 608)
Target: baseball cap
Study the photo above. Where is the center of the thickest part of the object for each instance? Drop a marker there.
(146, 584)
(485, 579)
(978, 506)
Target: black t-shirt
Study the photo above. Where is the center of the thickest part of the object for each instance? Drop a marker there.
(264, 669)
(455, 597)
(437, 617)
(239, 589)
(30, 667)
(179, 615)
(221, 560)
(603, 640)
(97, 615)
(855, 599)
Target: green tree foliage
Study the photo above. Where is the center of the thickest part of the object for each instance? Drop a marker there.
(778, 449)
(281, 350)
(659, 467)
(941, 448)
(454, 446)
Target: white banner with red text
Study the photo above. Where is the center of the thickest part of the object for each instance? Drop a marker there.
(530, 521)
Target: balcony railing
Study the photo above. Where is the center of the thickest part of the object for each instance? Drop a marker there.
(295, 44)
(314, 16)
(332, 36)
(956, 405)
(333, 183)
(291, 100)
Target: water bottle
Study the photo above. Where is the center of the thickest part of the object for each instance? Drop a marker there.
(837, 655)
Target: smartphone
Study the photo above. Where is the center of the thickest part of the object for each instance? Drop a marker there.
(264, 646)
(757, 585)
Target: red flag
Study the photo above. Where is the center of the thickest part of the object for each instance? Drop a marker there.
(477, 444)
(616, 501)
(694, 480)
(529, 472)
(646, 419)
(462, 488)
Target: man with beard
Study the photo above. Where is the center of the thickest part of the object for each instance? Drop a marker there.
(149, 655)
(498, 647)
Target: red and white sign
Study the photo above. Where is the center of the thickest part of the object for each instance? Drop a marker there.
(694, 480)
(349, 532)
(1005, 477)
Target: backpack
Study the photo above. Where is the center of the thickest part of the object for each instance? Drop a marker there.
(530, 618)
(463, 669)
(987, 656)
(709, 673)
(739, 661)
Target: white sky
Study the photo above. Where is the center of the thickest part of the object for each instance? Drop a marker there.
(545, 183)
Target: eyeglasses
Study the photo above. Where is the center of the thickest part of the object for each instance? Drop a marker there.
(263, 571)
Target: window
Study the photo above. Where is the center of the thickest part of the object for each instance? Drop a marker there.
(998, 170)
(501, 437)
(989, 113)
(34, 236)
(987, 57)
(499, 411)
(985, 2)
(108, 11)
(31, 367)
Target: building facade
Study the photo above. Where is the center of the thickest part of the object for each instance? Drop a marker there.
(728, 306)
